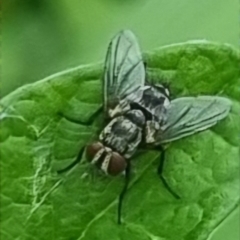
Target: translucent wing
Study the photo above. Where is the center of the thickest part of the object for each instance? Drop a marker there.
(188, 115)
(124, 69)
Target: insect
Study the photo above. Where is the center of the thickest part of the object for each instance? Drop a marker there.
(136, 110)
(140, 113)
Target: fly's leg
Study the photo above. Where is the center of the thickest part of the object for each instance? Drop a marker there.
(151, 128)
(130, 151)
(92, 173)
(123, 192)
(132, 145)
(120, 109)
(160, 171)
(75, 162)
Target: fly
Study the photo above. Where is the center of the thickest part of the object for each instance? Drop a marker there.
(140, 113)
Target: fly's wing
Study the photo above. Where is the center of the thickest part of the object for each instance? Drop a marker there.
(189, 115)
(124, 69)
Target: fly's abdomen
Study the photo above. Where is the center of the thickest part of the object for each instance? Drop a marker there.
(153, 102)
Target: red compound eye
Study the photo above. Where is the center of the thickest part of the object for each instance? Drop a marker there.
(92, 149)
(117, 164)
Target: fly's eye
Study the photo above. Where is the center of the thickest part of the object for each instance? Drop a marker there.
(92, 149)
(117, 164)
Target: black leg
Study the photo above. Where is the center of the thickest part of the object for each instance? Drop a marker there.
(160, 171)
(76, 161)
(145, 65)
(93, 170)
(123, 192)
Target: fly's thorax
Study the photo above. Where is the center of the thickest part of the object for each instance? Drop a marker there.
(137, 117)
(122, 132)
(110, 162)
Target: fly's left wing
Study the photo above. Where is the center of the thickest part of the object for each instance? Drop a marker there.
(189, 115)
(124, 71)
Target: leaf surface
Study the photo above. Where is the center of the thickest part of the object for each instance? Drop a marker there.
(38, 138)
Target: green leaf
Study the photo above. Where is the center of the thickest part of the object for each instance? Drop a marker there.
(36, 141)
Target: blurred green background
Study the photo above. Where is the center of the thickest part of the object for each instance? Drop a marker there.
(41, 37)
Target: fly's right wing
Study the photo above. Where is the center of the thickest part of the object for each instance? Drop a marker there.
(124, 69)
(189, 115)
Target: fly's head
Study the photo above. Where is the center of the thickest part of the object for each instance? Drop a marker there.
(110, 162)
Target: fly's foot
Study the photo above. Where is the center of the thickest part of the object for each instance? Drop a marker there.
(120, 109)
(151, 128)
